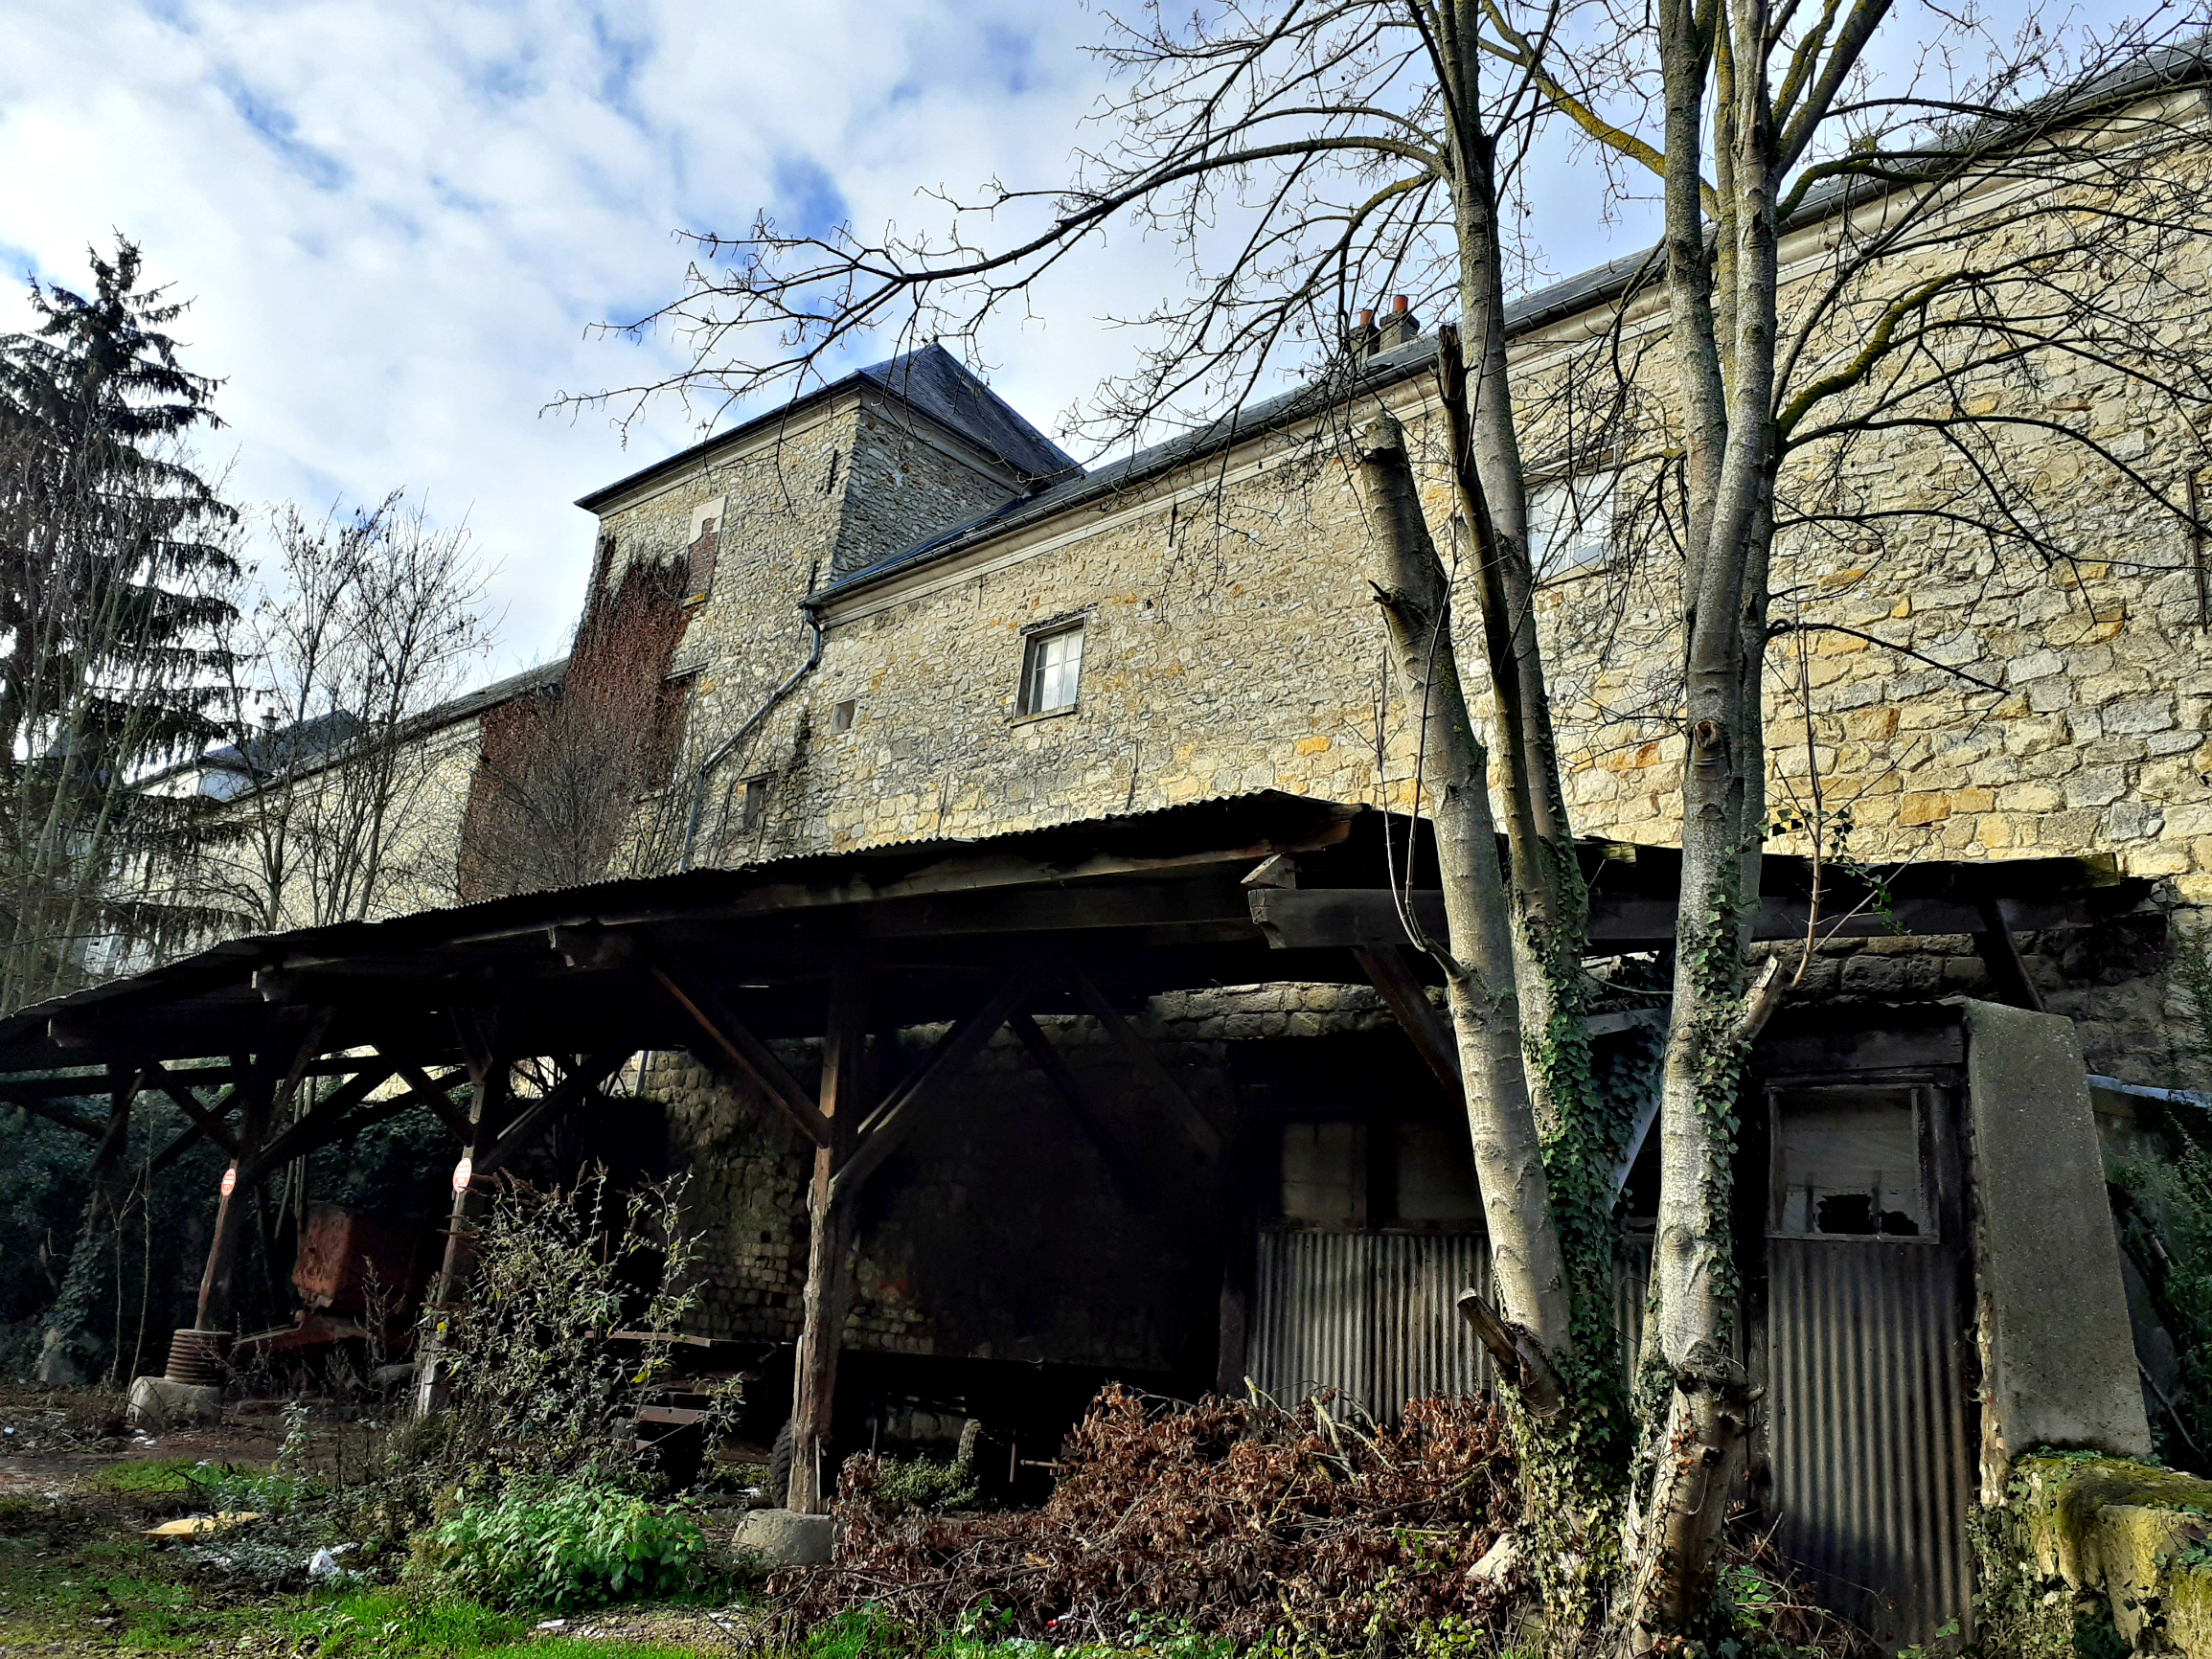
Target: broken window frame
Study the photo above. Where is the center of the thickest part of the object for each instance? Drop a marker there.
(1920, 1099)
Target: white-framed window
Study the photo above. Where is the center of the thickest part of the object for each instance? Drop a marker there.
(1051, 664)
(1570, 526)
(753, 802)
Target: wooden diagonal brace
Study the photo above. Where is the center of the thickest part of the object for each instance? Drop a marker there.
(745, 1051)
(429, 1092)
(322, 1125)
(1408, 998)
(1147, 1064)
(566, 1095)
(895, 1119)
(206, 1121)
(55, 1114)
(1128, 1184)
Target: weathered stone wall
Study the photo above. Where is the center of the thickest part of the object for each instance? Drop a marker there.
(994, 1232)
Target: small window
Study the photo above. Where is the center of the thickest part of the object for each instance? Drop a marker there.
(843, 714)
(1051, 665)
(752, 802)
(1570, 526)
(1848, 1163)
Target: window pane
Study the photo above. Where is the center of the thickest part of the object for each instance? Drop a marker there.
(1055, 661)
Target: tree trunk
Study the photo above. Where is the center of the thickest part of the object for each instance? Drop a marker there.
(62, 1360)
(1478, 960)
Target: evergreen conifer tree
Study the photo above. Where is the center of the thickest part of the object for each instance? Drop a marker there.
(114, 580)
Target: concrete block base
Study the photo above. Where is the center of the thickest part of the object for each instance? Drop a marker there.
(782, 1539)
(156, 1402)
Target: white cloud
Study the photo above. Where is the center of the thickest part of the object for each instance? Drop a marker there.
(399, 222)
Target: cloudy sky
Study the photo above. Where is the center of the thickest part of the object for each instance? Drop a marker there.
(399, 222)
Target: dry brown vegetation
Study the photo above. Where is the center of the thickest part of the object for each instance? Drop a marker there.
(1230, 1518)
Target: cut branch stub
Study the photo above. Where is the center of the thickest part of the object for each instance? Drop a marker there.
(1518, 1356)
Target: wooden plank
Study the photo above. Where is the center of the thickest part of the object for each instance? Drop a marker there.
(1147, 1064)
(323, 1124)
(1390, 973)
(2001, 955)
(1129, 1185)
(1364, 917)
(564, 1098)
(903, 1108)
(829, 1290)
(744, 1050)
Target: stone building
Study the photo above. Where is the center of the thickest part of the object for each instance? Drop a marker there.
(891, 637)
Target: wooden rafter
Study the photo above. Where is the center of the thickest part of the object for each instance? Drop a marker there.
(1407, 999)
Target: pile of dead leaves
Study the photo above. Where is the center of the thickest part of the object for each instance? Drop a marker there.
(1229, 1518)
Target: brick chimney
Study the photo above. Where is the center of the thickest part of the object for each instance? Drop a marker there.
(1401, 327)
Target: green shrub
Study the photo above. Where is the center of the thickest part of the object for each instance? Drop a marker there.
(569, 1543)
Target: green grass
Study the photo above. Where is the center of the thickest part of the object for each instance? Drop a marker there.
(122, 1596)
(151, 1477)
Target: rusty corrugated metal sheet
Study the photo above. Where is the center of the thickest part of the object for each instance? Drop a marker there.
(1371, 1314)
(1868, 1429)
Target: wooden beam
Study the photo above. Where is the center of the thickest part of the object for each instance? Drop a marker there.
(1365, 918)
(828, 1288)
(53, 1114)
(562, 1098)
(743, 1052)
(1408, 998)
(1129, 1186)
(892, 1122)
(2001, 955)
(1147, 1064)
(438, 1096)
(208, 1122)
(323, 1124)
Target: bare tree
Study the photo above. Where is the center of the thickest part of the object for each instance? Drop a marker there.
(367, 621)
(1985, 230)
(570, 785)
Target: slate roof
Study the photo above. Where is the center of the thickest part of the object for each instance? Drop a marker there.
(933, 383)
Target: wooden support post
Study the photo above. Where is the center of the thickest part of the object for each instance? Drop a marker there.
(489, 1077)
(1408, 998)
(256, 1089)
(843, 1100)
(1239, 1251)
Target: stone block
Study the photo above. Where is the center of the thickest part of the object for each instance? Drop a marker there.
(783, 1538)
(2054, 1315)
(156, 1402)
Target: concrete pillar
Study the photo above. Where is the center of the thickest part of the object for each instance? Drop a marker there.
(2058, 1356)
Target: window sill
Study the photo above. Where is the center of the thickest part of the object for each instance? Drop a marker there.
(1047, 715)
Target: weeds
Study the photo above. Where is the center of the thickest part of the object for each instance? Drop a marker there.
(578, 1542)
